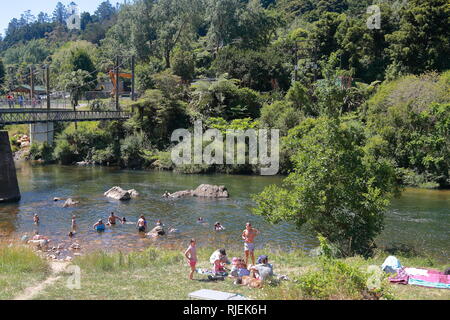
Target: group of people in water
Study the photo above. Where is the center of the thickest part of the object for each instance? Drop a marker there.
(257, 272)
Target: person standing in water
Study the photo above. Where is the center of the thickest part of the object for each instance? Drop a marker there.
(112, 219)
(99, 226)
(142, 224)
(36, 219)
(191, 255)
(248, 235)
(74, 223)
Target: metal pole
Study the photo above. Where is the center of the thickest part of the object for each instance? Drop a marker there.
(47, 80)
(32, 86)
(117, 83)
(133, 98)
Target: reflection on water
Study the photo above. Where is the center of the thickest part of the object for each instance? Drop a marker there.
(419, 217)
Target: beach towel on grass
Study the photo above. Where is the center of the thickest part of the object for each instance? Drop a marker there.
(422, 277)
(211, 272)
(434, 279)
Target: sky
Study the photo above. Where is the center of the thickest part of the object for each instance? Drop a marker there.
(14, 8)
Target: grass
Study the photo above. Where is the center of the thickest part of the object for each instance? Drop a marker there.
(20, 268)
(163, 274)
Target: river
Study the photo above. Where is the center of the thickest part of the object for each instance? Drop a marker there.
(420, 218)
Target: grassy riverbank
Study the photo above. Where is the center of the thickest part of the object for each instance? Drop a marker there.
(20, 268)
(162, 274)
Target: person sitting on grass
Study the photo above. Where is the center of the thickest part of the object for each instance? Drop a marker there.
(239, 268)
(37, 236)
(191, 255)
(99, 226)
(263, 270)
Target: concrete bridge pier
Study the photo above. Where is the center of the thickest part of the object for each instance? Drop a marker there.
(42, 132)
(9, 187)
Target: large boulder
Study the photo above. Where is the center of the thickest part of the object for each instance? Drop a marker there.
(211, 191)
(204, 191)
(120, 194)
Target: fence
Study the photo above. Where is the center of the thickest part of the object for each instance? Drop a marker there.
(38, 116)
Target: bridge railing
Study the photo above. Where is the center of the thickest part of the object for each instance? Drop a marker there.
(41, 116)
(34, 104)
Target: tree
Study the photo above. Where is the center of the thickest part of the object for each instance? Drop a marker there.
(174, 19)
(223, 16)
(183, 65)
(80, 60)
(412, 114)
(60, 13)
(423, 41)
(105, 11)
(76, 83)
(340, 185)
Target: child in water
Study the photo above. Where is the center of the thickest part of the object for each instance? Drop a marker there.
(141, 224)
(191, 255)
(36, 219)
(74, 223)
(218, 227)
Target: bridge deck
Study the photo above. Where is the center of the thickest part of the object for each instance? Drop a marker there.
(22, 116)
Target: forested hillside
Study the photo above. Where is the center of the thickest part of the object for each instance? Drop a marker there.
(288, 64)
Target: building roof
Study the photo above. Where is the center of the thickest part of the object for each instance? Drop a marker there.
(27, 88)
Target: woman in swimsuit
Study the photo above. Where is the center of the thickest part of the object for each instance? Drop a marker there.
(99, 226)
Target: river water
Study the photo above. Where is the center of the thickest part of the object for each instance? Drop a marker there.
(420, 218)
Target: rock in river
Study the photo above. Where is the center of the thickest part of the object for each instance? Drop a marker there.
(120, 194)
(205, 191)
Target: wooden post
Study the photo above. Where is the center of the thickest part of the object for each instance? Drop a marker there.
(117, 83)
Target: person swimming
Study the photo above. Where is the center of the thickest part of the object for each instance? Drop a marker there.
(166, 194)
(141, 224)
(218, 227)
(200, 220)
(124, 220)
(99, 226)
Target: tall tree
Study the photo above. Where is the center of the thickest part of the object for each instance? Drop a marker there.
(423, 41)
(60, 13)
(175, 19)
(105, 11)
(340, 185)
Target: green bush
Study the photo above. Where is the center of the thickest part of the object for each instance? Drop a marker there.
(336, 279)
(41, 151)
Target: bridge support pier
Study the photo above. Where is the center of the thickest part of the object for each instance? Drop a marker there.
(9, 187)
(42, 132)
